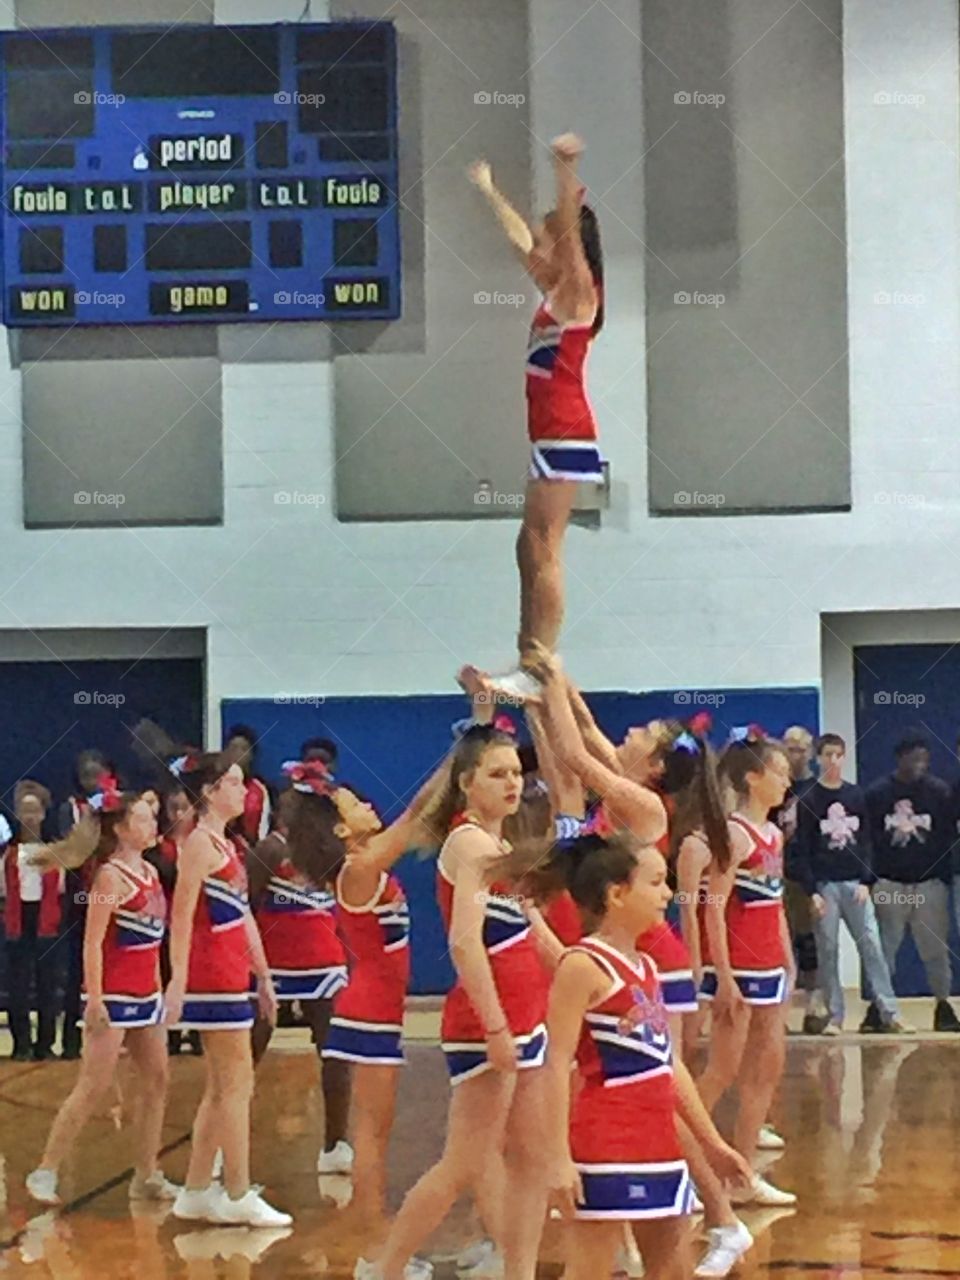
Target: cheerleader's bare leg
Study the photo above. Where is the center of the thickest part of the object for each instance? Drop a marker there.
(148, 1049)
(223, 1118)
(728, 1038)
(475, 1135)
(525, 1189)
(760, 1074)
(98, 1065)
(664, 1244)
(590, 1249)
(546, 514)
(374, 1091)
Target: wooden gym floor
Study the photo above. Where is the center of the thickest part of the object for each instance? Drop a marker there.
(872, 1127)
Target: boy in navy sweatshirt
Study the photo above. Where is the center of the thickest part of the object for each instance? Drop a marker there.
(913, 835)
(832, 860)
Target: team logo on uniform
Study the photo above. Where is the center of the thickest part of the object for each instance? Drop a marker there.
(840, 826)
(644, 1012)
(904, 825)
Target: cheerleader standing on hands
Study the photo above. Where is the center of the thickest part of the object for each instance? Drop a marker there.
(126, 912)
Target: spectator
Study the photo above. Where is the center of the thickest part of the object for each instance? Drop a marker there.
(798, 745)
(912, 830)
(323, 749)
(89, 766)
(31, 917)
(832, 858)
(254, 823)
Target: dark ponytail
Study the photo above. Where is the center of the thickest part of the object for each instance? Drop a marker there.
(587, 867)
(593, 252)
(690, 776)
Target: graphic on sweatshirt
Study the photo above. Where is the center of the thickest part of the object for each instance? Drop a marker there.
(903, 825)
(840, 826)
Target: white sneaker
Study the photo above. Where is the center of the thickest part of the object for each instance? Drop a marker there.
(339, 1160)
(156, 1187)
(759, 1191)
(42, 1185)
(475, 1255)
(250, 1210)
(726, 1247)
(217, 1170)
(518, 683)
(831, 1029)
(769, 1139)
(193, 1205)
(487, 1266)
(334, 1188)
(416, 1269)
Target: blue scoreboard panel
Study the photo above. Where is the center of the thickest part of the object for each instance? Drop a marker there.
(205, 173)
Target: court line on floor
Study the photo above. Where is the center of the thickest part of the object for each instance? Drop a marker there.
(80, 1202)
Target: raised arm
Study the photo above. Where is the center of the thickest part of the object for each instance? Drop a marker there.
(593, 736)
(404, 833)
(514, 225)
(563, 786)
(631, 805)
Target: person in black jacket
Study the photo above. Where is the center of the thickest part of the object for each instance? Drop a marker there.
(910, 821)
(832, 861)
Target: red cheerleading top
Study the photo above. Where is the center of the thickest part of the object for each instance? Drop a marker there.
(557, 404)
(219, 952)
(625, 1111)
(756, 903)
(376, 938)
(297, 923)
(514, 962)
(131, 945)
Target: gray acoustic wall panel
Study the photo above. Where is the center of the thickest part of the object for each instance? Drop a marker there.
(144, 449)
(748, 405)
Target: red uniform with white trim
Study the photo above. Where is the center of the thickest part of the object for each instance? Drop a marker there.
(517, 974)
(560, 422)
(131, 986)
(367, 1022)
(754, 911)
(218, 978)
(623, 1134)
(296, 922)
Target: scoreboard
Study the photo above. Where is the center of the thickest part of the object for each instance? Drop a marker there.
(200, 173)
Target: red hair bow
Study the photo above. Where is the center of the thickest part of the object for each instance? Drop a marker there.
(108, 798)
(757, 733)
(598, 824)
(701, 724)
(504, 724)
(309, 776)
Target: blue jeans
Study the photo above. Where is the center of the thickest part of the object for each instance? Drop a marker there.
(859, 917)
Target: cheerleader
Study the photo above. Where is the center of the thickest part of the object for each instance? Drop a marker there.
(619, 1159)
(214, 944)
(677, 760)
(290, 886)
(751, 969)
(126, 911)
(564, 258)
(253, 822)
(492, 1029)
